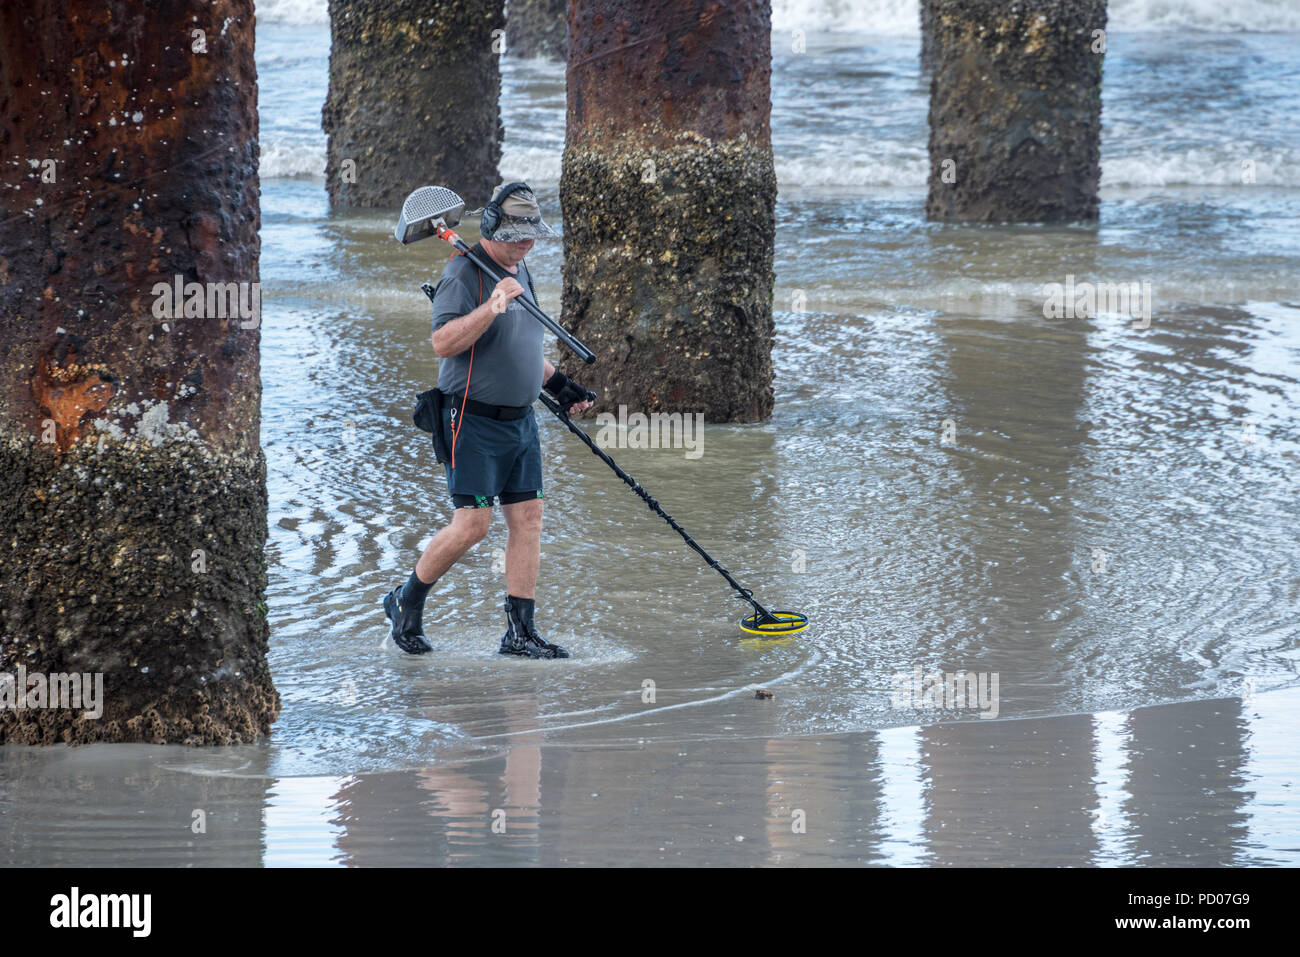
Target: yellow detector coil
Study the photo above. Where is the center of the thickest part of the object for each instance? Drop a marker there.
(786, 623)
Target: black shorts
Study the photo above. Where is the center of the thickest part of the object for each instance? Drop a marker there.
(497, 461)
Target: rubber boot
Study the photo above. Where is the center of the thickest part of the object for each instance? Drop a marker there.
(521, 638)
(407, 618)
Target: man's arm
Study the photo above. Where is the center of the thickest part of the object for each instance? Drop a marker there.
(454, 337)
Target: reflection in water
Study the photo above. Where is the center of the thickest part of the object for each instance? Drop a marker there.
(1108, 820)
(1186, 791)
(1015, 793)
(1015, 385)
(836, 786)
(299, 822)
(1202, 783)
(122, 806)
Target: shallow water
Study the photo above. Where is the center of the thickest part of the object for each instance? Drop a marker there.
(1112, 525)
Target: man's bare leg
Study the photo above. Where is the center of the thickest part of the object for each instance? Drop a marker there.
(404, 605)
(523, 546)
(468, 527)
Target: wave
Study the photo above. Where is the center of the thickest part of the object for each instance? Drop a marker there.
(884, 17)
(292, 11)
(902, 18)
(905, 169)
(289, 159)
(1210, 166)
(1215, 16)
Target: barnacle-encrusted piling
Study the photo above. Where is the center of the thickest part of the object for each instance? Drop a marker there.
(536, 28)
(413, 99)
(929, 46)
(669, 194)
(1015, 110)
(132, 482)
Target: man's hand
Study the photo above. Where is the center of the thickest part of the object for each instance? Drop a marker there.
(505, 290)
(454, 337)
(571, 396)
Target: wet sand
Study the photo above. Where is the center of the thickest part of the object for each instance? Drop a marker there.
(1202, 783)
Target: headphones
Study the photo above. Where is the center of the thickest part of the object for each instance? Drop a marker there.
(492, 212)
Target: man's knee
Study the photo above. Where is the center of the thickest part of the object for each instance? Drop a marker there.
(524, 517)
(471, 524)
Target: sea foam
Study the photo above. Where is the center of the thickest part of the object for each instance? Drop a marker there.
(901, 17)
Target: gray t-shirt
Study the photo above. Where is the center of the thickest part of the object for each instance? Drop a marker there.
(508, 356)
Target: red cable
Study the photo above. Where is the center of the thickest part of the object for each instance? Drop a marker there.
(455, 430)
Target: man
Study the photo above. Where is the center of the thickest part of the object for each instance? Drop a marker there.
(490, 372)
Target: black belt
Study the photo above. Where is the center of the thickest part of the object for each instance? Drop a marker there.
(487, 410)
